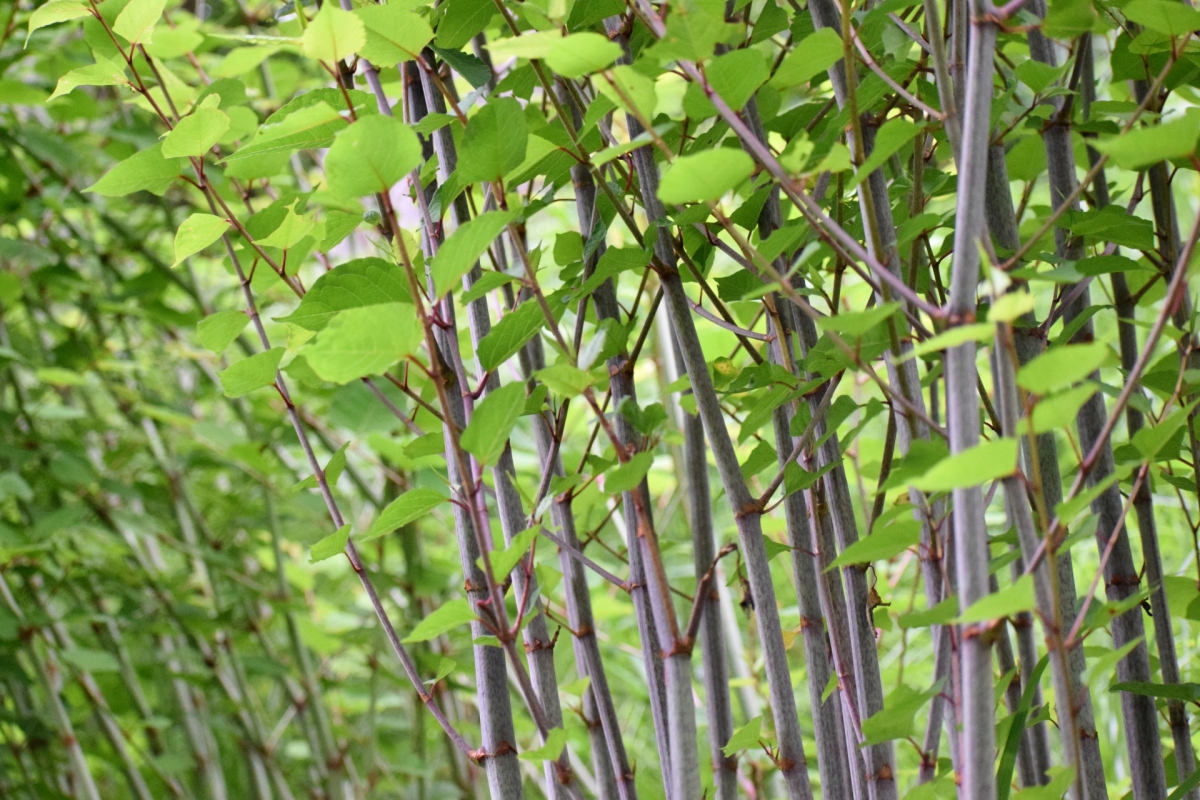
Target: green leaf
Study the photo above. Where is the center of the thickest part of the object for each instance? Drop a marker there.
(941, 614)
(364, 341)
(1059, 410)
(408, 507)
(531, 45)
(813, 55)
(1150, 440)
(510, 334)
(488, 282)
(556, 740)
(744, 737)
(1010, 306)
(581, 53)
(693, 31)
(858, 323)
(630, 90)
(473, 69)
(196, 133)
(445, 667)
(493, 421)
(196, 233)
(447, 617)
(290, 231)
(90, 660)
(330, 546)
(371, 156)
(1111, 224)
(1008, 756)
(1061, 367)
(1171, 19)
(458, 255)
(628, 476)
(1059, 784)
(13, 485)
(564, 379)
(1038, 76)
(356, 284)
(895, 721)
(333, 34)
(1106, 265)
(463, 19)
(737, 75)
(1107, 662)
(56, 11)
(953, 337)
(216, 331)
(102, 73)
(394, 34)
(1067, 19)
(881, 545)
(146, 170)
(308, 127)
(1187, 692)
(895, 133)
(506, 560)
(1004, 603)
(1181, 791)
(242, 377)
(1069, 509)
(980, 464)
(704, 176)
(1148, 145)
(137, 20)
(494, 142)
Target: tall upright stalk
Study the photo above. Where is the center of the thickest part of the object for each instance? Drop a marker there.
(1167, 231)
(1121, 577)
(976, 712)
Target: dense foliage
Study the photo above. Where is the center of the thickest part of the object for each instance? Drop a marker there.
(574, 398)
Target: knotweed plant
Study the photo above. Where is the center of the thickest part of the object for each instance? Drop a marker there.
(599, 399)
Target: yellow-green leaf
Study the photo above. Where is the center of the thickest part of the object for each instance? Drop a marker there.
(705, 176)
(447, 617)
(197, 132)
(394, 33)
(243, 377)
(56, 11)
(980, 464)
(137, 20)
(364, 341)
(196, 233)
(371, 156)
(216, 331)
(333, 34)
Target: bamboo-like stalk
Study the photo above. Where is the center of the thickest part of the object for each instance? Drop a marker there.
(828, 727)
(876, 213)
(1001, 221)
(538, 645)
(198, 734)
(1120, 575)
(748, 512)
(46, 667)
(610, 759)
(58, 637)
(1028, 773)
(1167, 229)
(978, 739)
(1039, 454)
(711, 638)
(1045, 573)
